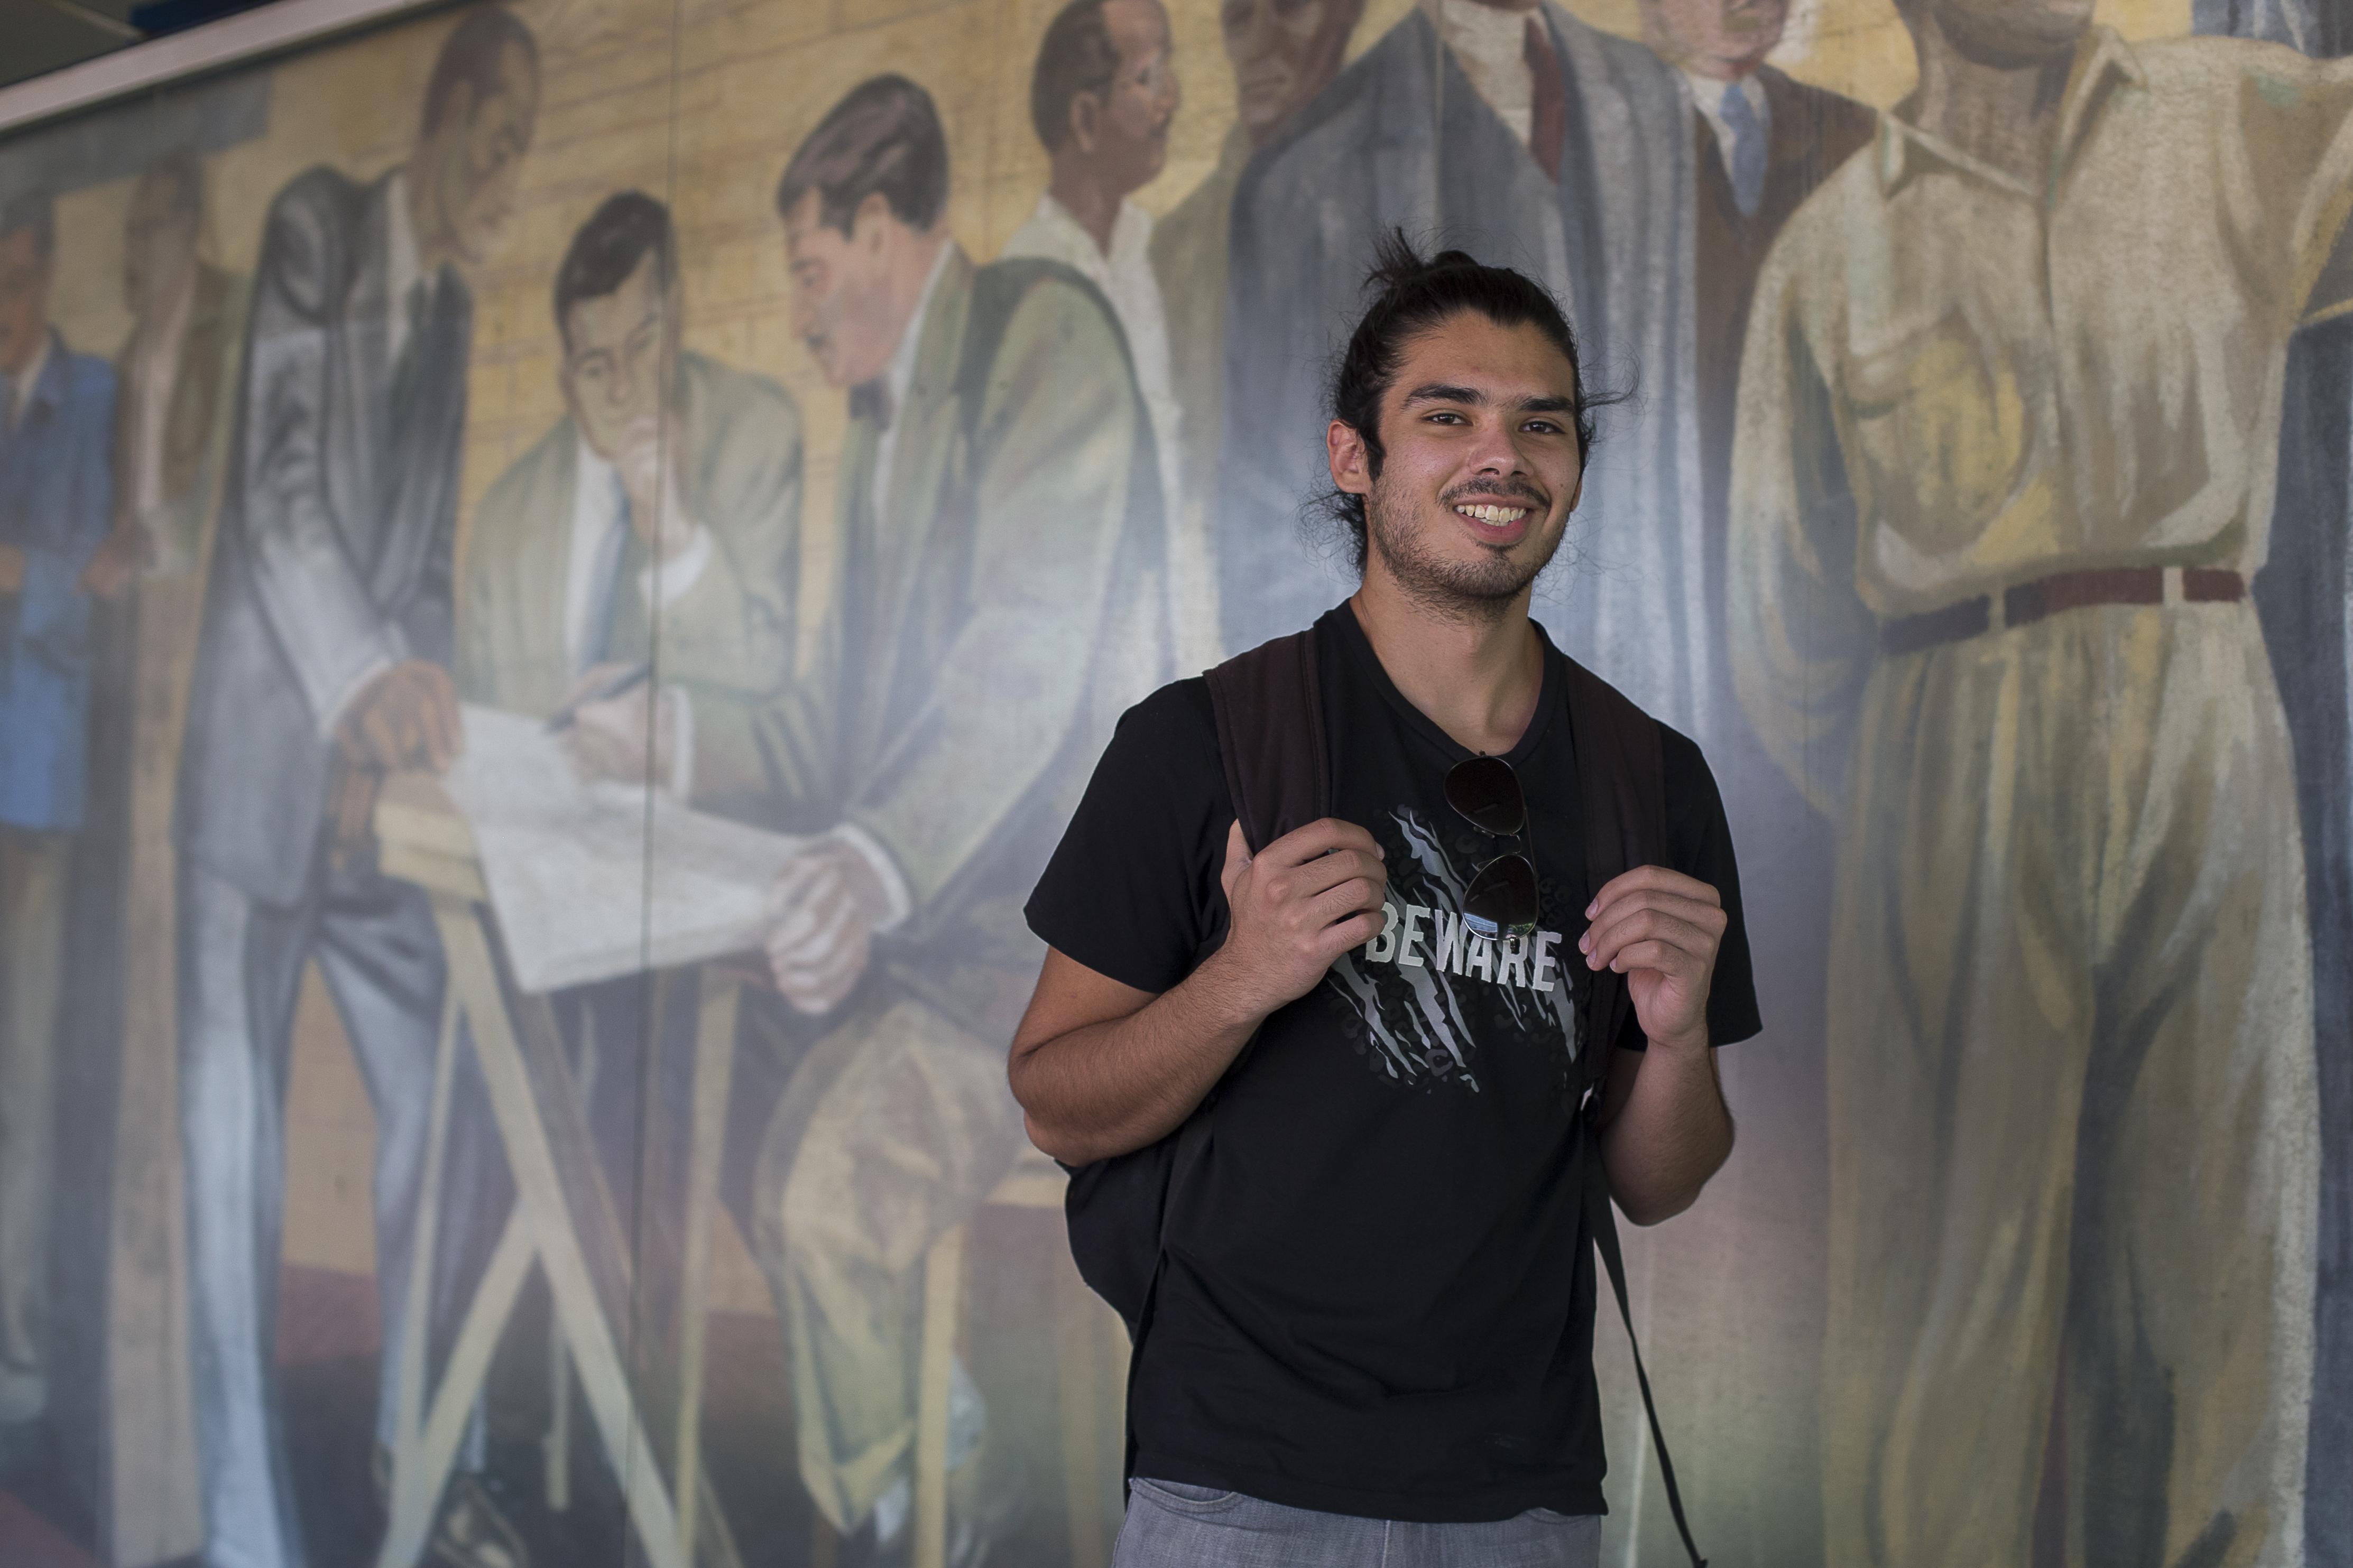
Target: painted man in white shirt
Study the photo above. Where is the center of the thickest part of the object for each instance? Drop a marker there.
(1101, 96)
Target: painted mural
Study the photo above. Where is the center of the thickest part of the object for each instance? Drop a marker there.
(561, 564)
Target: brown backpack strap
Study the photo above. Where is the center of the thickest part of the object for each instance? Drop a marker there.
(1622, 790)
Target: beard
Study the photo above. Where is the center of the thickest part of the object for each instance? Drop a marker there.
(1482, 588)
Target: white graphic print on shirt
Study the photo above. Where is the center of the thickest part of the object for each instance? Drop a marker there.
(1427, 996)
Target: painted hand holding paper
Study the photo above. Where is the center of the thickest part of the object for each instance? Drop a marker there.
(578, 896)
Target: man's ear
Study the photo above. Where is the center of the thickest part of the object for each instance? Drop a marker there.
(456, 114)
(1344, 447)
(870, 223)
(1086, 116)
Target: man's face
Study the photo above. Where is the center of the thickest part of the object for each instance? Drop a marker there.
(1125, 138)
(1482, 468)
(1284, 53)
(618, 361)
(24, 298)
(842, 308)
(159, 249)
(1722, 38)
(475, 158)
(2012, 32)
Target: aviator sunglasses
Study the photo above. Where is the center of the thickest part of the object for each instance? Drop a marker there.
(1501, 899)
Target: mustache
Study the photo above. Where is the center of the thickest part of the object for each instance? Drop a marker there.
(1497, 491)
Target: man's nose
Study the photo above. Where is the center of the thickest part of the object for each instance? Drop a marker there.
(1495, 451)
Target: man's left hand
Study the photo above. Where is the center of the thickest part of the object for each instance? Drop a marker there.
(652, 474)
(1660, 929)
(827, 900)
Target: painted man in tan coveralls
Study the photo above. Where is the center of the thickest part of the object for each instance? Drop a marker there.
(2009, 414)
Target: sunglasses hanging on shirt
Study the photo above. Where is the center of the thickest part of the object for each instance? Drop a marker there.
(1501, 899)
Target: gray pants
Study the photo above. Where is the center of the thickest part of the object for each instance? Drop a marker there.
(1171, 1525)
(240, 973)
(32, 962)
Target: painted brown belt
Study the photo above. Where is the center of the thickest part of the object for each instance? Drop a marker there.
(2026, 602)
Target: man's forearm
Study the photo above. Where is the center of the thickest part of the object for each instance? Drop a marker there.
(1112, 1088)
(1672, 1134)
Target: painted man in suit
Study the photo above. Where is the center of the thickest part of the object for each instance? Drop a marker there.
(1761, 142)
(997, 601)
(1284, 52)
(57, 500)
(177, 373)
(1514, 131)
(321, 665)
(176, 378)
(2008, 438)
(670, 489)
(659, 519)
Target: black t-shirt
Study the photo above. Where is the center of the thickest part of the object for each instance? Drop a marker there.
(1380, 1293)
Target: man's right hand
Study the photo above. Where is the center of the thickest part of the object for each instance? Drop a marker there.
(1298, 904)
(405, 718)
(12, 569)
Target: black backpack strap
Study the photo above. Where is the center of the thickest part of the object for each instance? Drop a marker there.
(1621, 791)
(1269, 706)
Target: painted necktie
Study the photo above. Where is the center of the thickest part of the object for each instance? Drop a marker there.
(1743, 160)
(1547, 102)
(605, 583)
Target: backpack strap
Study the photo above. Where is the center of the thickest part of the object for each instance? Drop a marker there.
(1269, 706)
(1621, 791)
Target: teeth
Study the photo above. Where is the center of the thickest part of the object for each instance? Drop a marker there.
(1494, 514)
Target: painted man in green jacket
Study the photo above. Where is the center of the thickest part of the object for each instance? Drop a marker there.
(997, 598)
(670, 495)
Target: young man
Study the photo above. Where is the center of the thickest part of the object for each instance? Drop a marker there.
(1511, 126)
(1374, 1330)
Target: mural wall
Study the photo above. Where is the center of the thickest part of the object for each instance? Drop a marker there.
(561, 564)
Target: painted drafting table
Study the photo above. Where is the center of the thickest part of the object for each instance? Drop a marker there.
(646, 1407)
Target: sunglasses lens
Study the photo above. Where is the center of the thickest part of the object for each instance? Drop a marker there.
(1485, 790)
(1501, 899)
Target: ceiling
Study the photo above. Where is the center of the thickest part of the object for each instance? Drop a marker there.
(42, 34)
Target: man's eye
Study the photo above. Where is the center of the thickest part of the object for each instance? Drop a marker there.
(1449, 416)
(1542, 427)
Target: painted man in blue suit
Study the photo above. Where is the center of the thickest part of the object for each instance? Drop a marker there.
(56, 499)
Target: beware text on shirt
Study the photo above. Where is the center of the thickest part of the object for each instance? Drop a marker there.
(1416, 934)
